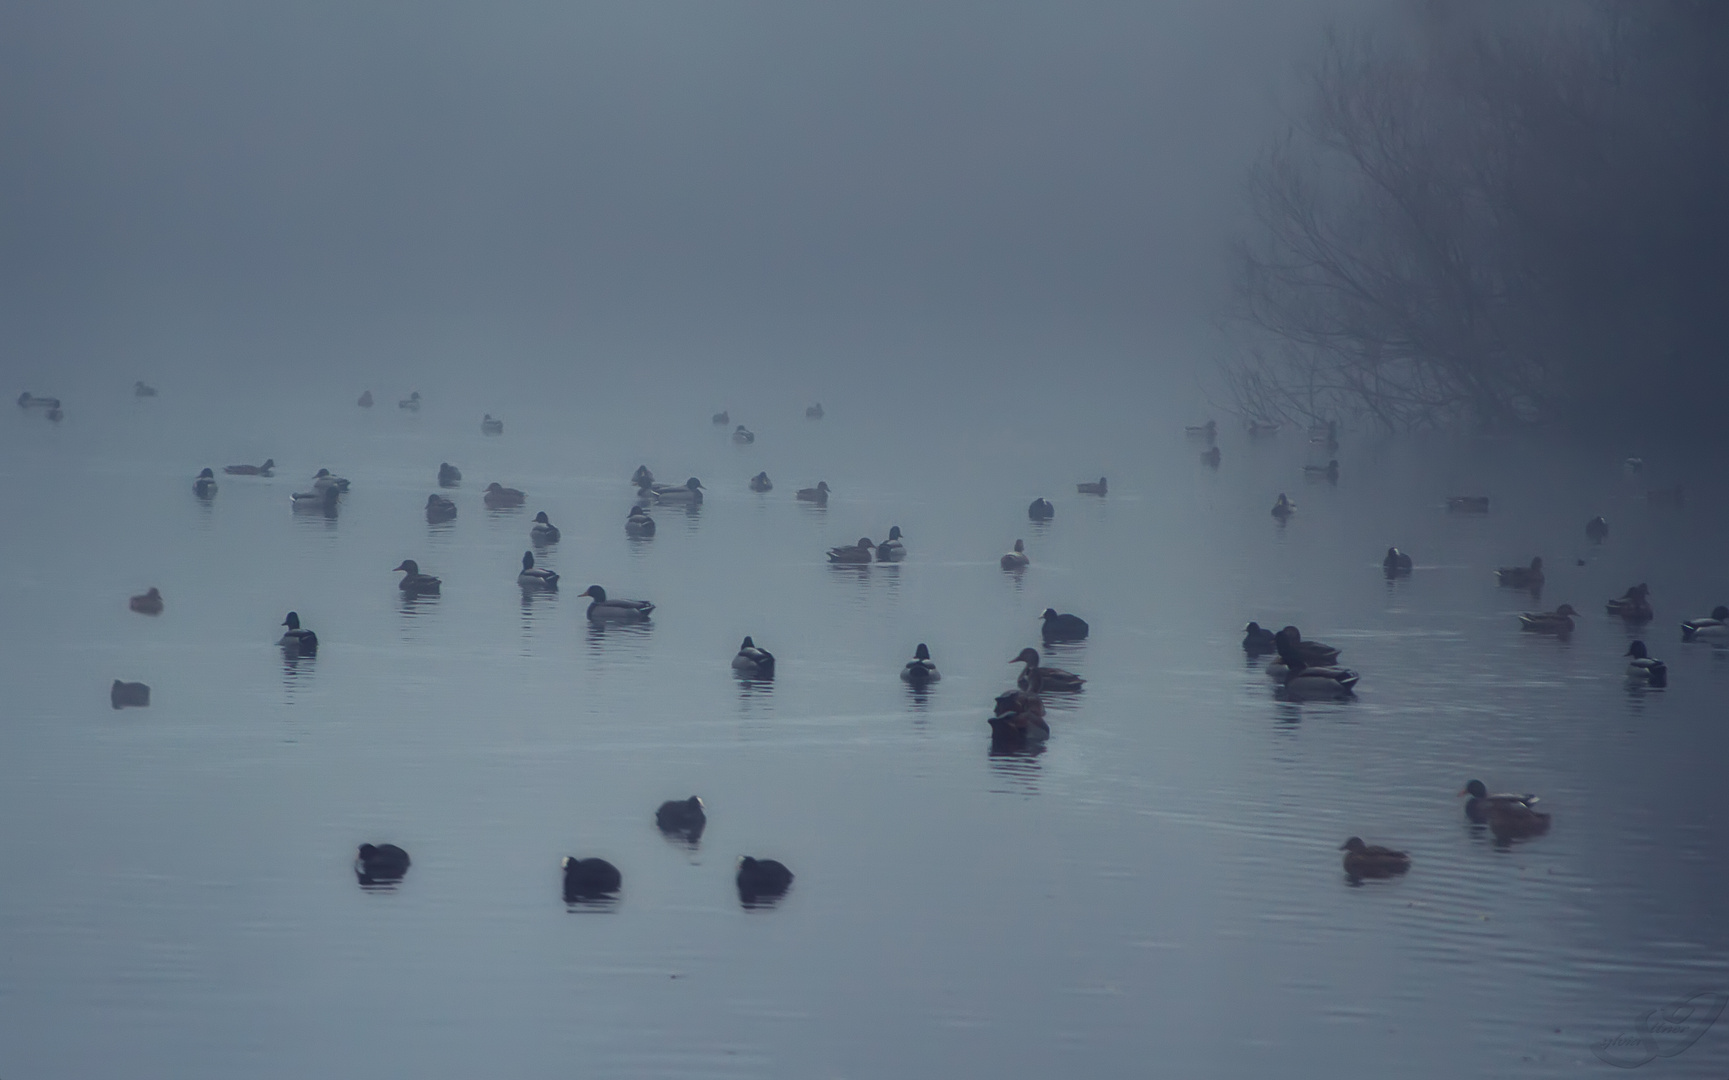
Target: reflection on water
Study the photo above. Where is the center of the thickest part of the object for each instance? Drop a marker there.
(1017, 767)
(296, 672)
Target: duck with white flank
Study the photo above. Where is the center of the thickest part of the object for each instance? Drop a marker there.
(760, 482)
(499, 497)
(855, 554)
(297, 640)
(149, 603)
(411, 402)
(1713, 627)
(205, 485)
(1303, 681)
(536, 577)
(1041, 510)
(449, 475)
(1559, 621)
(615, 610)
(743, 435)
(638, 524)
(1063, 627)
(818, 494)
(323, 478)
(1522, 577)
(1284, 508)
(1050, 678)
(251, 470)
(1313, 653)
(688, 492)
(1396, 563)
(489, 426)
(921, 670)
(439, 508)
(544, 531)
(1016, 559)
(892, 550)
(1642, 668)
(1092, 489)
(1480, 801)
(753, 662)
(416, 583)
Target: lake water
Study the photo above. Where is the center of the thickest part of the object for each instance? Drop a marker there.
(1157, 893)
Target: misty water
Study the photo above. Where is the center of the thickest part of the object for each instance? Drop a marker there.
(1157, 891)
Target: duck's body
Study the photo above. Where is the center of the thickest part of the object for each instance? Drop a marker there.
(536, 577)
(1284, 508)
(1522, 577)
(439, 508)
(411, 402)
(1468, 504)
(743, 435)
(1366, 861)
(1260, 429)
(1643, 668)
(1515, 820)
(204, 486)
(688, 492)
(1309, 682)
(1396, 562)
(27, 400)
(588, 879)
(753, 662)
(1634, 605)
(316, 501)
(1208, 431)
(814, 412)
(1047, 678)
(124, 695)
(1092, 489)
(858, 553)
(1019, 716)
(721, 419)
(761, 879)
(1063, 627)
(251, 470)
(1312, 653)
(296, 639)
(1480, 801)
(603, 609)
(1210, 457)
(365, 401)
(449, 475)
(1257, 639)
(499, 497)
(323, 478)
(1016, 559)
(1040, 509)
(921, 670)
(1559, 621)
(638, 524)
(1597, 529)
(892, 550)
(415, 582)
(377, 864)
(760, 482)
(683, 818)
(1329, 471)
(149, 603)
(1713, 627)
(543, 531)
(489, 426)
(818, 494)
(142, 389)
(642, 478)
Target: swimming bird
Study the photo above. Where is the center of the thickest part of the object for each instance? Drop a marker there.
(544, 531)
(27, 400)
(1050, 678)
(316, 501)
(1559, 621)
(489, 426)
(1304, 681)
(449, 475)
(1258, 639)
(1522, 577)
(761, 482)
(325, 479)
(1634, 605)
(1314, 653)
(141, 389)
(854, 554)
(303, 642)
(1329, 471)
(439, 508)
(1597, 529)
(1017, 559)
(128, 695)
(642, 478)
(1363, 861)
(536, 577)
(753, 662)
(1468, 504)
(499, 497)
(618, 610)
(251, 470)
(1643, 668)
(149, 603)
(1284, 508)
(818, 494)
(1513, 819)
(365, 399)
(814, 412)
(411, 402)
(682, 818)
(1090, 488)
(688, 492)
(1210, 457)
(1041, 510)
(721, 419)
(1713, 627)
(1208, 431)
(638, 524)
(921, 669)
(1019, 716)
(1063, 627)
(1260, 429)
(380, 864)
(1396, 562)
(205, 485)
(589, 879)
(892, 550)
(413, 581)
(761, 880)
(743, 435)
(1477, 806)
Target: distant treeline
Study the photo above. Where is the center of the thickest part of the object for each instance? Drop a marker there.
(1494, 215)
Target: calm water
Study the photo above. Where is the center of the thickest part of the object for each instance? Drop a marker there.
(1158, 892)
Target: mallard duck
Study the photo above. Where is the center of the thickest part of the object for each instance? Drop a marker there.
(1468, 504)
(814, 412)
(1559, 621)
(316, 501)
(1019, 716)
(499, 497)
(1016, 559)
(1258, 639)
(721, 419)
(892, 550)
(1305, 681)
(251, 470)
(449, 475)
(439, 508)
(743, 435)
(856, 553)
(411, 402)
(642, 478)
(489, 426)
(761, 482)
(1050, 678)
(544, 531)
(1092, 489)
(1364, 861)
(761, 880)
(688, 492)
(588, 879)
(1063, 627)
(205, 485)
(1260, 429)
(413, 581)
(296, 639)
(682, 818)
(1643, 669)
(27, 400)
(149, 603)
(1396, 562)
(1522, 577)
(128, 695)
(1284, 508)
(1329, 471)
(638, 524)
(618, 610)
(1477, 806)
(323, 478)
(365, 399)
(1210, 457)
(1041, 510)
(378, 864)
(818, 494)
(1513, 819)
(753, 662)
(142, 389)
(1597, 529)
(1314, 653)
(921, 669)
(536, 577)
(1634, 605)
(1208, 431)
(1713, 627)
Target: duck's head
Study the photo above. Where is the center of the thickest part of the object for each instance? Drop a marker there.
(1048, 614)
(741, 427)
(414, 396)
(1253, 628)
(320, 473)
(1720, 613)
(822, 486)
(1536, 562)
(206, 475)
(1637, 651)
(1475, 789)
(1640, 591)
(694, 484)
(487, 417)
(293, 620)
(527, 561)
(1355, 843)
(1567, 610)
(922, 652)
(761, 476)
(1020, 547)
(595, 592)
(1393, 553)
(894, 532)
(1291, 634)
(495, 486)
(864, 543)
(154, 593)
(748, 644)
(432, 501)
(410, 567)
(367, 851)
(542, 518)
(1027, 656)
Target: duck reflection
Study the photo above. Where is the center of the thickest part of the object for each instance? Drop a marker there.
(537, 605)
(605, 636)
(1017, 766)
(413, 604)
(297, 671)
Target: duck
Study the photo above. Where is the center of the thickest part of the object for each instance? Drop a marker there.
(204, 486)
(1208, 431)
(1597, 529)
(1713, 627)
(301, 641)
(1365, 861)
(1063, 627)
(721, 419)
(753, 662)
(618, 610)
(148, 603)
(365, 399)
(1260, 429)
(1514, 819)
(543, 530)
(499, 497)
(1634, 605)
(1643, 668)
(323, 478)
(1522, 577)
(1313, 653)
(892, 550)
(128, 695)
(1019, 716)
(411, 402)
(1329, 471)
(1258, 639)
(380, 863)
(251, 470)
(1559, 621)
(143, 389)
(818, 494)
(1016, 559)
(1284, 508)
(536, 577)
(413, 581)
(638, 524)
(449, 475)
(1050, 678)
(760, 482)
(761, 879)
(743, 435)
(1477, 806)
(814, 412)
(316, 501)
(1396, 562)
(642, 478)
(27, 400)
(858, 553)
(588, 879)
(489, 426)
(1468, 504)
(1090, 488)
(1040, 509)
(921, 669)
(439, 508)
(1210, 457)
(683, 818)
(1305, 681)
(688, 492)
